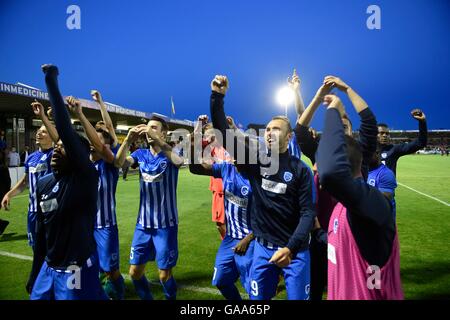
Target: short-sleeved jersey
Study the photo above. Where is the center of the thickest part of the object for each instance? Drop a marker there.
(384, 180)
(158, 190)
(108, 175)
(37, 166)
(238, 195)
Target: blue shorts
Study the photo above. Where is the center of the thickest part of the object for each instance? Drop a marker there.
(230, 266)
(150, 244)
(31, 228)
(264, 276)
(79, 284)
(107, 240)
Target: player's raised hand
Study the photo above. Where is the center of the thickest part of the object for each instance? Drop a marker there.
(418, 115)
(134, 133)
(74, 105)
(220, 84)
(282, 257)
(231, 122)
(96, 96)
(324, 90)
(294, 81)
(203, 119)
(38, 108)
(336, 82)
(50, 69)
(50, 112)
(333, 101)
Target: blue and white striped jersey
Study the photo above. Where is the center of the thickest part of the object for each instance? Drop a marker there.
(158, 187)
(37, 166)
(108, 175)
(238, 195)
(294, 148)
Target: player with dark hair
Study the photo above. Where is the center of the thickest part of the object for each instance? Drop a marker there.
(362, 237)
(37, 165)
(308, 144)
(156, 233)
(283, 210)
(65, 262)
(103, 150)
(218, 155)
(235, 254)
(390, 153)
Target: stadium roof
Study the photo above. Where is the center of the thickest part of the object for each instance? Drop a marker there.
(16, 99)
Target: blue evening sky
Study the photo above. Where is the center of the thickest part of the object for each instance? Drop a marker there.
(139, 53)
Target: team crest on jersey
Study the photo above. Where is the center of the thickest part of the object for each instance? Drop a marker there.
(335, 225)
(384, 155)
(244, 190)
(287, 176)
(372, 182)
(55, 188)
(163, 165)
(44, 157)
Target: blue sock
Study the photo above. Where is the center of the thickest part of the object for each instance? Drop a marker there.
(119, 286)
(230, 292)
(143, 289)
(170, 288)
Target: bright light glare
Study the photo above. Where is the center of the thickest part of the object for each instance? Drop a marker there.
(285, 96)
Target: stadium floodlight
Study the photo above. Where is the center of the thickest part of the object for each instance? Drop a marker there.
(285, 96)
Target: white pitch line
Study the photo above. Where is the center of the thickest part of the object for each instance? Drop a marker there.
(126, 276)
(14, 255)
(424, 194)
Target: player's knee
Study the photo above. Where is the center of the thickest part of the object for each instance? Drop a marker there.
(135, 272)
(164, 275)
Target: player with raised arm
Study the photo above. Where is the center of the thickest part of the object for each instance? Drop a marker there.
(65, 262)
(235, 254)
(106, 124)
(390, 153)
(283, 210)
(36, 166)
(103, 150)
(308, 145)
(218, 155)
(156, 233)
(294, 84)
(363, 249)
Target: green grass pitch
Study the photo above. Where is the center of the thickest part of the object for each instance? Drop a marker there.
(423, 225)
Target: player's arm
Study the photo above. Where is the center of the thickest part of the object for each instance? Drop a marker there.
(335, 171)
(294, 84)
(17, 189)
(197, 165)
(105, 116)
(219, 87)
(174, 157)
(75, 151)
(300, 237)
(121, 156)
(307, 143)
(318, 233)
(242, 246)
(38, 110)
(368, 129)
(77, 110)
(417, 144)
(307, 115)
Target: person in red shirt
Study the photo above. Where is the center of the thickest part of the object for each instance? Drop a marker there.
(218, 155)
